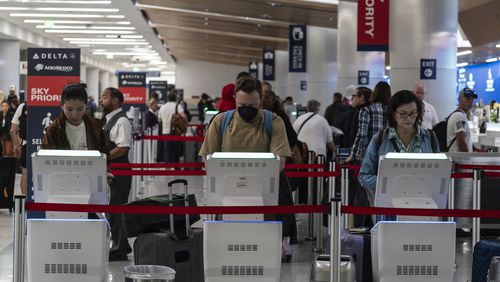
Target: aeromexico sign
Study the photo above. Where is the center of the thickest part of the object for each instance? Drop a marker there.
(49, 70)
(373, 25)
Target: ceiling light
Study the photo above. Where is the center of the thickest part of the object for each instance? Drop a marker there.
(462, 65)
(89, 2)
(123, 53)
(466, 52)
(13, 8)
(106, 42)
(36, 15)
(124, 36)
(491, 60)
(72, 9)
(388, 67)
(75, 22)
(86, 27)
(89, 31)
(115, 16)
(101, 39)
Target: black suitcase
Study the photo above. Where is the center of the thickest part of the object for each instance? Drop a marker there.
(358, 246)
(7, 181)
(183, 253)
(484, 251)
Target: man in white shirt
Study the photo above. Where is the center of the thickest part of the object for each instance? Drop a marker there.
(458, 137)
(118, 134)
(429, 117)
(171, 148)
(313, 129)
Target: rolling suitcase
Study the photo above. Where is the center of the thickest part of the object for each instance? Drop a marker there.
(494, 272)
(7, 180)
(320, 269)
(183, 253)
(484, 251)
(358, 246)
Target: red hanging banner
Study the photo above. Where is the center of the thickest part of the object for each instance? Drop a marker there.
(373, 25)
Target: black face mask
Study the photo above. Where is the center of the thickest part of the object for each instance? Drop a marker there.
(247, 113)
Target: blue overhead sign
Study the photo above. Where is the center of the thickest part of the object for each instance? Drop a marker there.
(363, 77)
(297, 52)
(268, 64)
(484, 79)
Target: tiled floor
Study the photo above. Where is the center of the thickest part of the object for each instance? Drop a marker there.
(296, 271)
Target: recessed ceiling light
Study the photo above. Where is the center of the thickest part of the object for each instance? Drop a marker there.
(102, 39)
(462, 65)
(77, 22)
(13, 9)
(76, 31)
(491, 60)
(388, 67)
(36, 15)
(115, 16)
(106, 42)
(89, 2)
(76, 9)
(466, 52)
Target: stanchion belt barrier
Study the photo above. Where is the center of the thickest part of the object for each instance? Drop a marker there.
(157, 172)
(173, 138)
(199, 165)
(259, 210)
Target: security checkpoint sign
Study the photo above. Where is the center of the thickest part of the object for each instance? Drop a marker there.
(373, 25)
(160, 87)
(133, 87)
(363, 77)
(49, 70)
(297, 48)
(268, 63)
(428, 69)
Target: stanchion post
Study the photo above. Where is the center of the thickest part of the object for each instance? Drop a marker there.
(320, 159)
(335, 205)
(310, 196)
(451, 196)
(476, 205)
(345, 195)
(19, 237)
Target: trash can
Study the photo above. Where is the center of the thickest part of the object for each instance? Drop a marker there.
(148, 273)
(494, 272)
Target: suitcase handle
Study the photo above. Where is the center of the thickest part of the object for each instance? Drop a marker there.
(186, 203)
(177, 181)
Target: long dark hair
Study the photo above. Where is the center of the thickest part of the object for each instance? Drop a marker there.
(400, 98)
(381, 93)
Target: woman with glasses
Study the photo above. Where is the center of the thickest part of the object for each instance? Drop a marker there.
(404, 135)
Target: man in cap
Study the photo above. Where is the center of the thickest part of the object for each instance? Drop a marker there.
(458, 137)
(12, 94)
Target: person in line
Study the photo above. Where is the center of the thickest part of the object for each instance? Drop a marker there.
(359, 100)
(404, 135)
(336, 110)
(227, 100)
(12, 94)
(91, 106)
(246, 133)
(5, 124)
(458, 137)
(19, 134)
(371, 119)
(152, 114)
(266, 86)
(430, 117)
(74, 129)
(118, 136)
(205, 104)
(171, 149)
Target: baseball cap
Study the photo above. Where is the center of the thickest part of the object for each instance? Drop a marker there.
(468, 93)
(12, 87)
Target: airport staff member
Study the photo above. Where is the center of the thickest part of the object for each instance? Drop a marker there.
(246, 132)
(118, 134)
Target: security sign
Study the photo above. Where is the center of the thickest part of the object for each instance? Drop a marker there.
(268, 64)
(133, 87)
(428, 69)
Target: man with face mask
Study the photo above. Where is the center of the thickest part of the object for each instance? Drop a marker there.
(246, 131)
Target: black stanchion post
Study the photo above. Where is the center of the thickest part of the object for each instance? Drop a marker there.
(345, 194)
(476, 205)
(19, 237)
(320, 159)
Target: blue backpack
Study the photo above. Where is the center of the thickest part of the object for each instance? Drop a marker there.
(228, 116)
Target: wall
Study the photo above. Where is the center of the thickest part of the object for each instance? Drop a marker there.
(196, 77)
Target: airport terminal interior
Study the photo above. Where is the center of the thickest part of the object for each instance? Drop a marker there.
(249, 140)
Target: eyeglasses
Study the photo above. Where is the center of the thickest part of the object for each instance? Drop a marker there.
(404, 115)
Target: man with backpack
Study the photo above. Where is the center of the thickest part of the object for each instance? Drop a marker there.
(458, 138)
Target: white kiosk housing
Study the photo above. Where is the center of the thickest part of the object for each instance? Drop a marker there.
(68, 246)
(237, 251)
(413, 251)
(70, 177)
(242, 179)
(413, 180)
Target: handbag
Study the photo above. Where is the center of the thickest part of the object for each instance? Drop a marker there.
(178, 124)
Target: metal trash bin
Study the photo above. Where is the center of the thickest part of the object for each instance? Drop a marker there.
(148, 273)
(494, 272)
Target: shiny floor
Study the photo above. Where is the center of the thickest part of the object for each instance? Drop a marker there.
(296, 271)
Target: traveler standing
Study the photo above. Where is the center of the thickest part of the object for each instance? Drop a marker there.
(458, 130)
(171, 149)
(335, 111)
(430, 117)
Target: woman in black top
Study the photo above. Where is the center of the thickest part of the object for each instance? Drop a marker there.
(5, 122)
